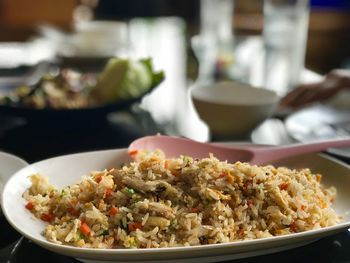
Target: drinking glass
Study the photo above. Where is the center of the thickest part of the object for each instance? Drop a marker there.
(214, 45)
(285, 36)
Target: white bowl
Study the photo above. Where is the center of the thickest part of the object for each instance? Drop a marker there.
(231, 109)
(99, 38)
(65, 170)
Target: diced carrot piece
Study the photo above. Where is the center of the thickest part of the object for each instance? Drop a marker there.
(284, 186)
(174, 174)
(302, 207)
(222, 175)
(229, 178)
(166, 164)
(98, 179)
(29, 205)
(85, 229)
(114, 210)
(47, 217)
(318, 177)
(109, 192)
(195, 209)
(133, 152)
(293, 227)
(134, 226)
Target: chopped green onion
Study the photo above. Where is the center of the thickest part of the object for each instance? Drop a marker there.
(79, 235)
(123, 223)
(130, 191)
(105, 232)
(133, 242)
(187, 159)
(173, 223)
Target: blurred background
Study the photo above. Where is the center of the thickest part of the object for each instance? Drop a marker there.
(328, 34)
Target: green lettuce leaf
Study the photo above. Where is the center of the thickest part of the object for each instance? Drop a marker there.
(126, 79)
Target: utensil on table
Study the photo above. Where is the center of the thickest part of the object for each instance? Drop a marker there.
(175, 146)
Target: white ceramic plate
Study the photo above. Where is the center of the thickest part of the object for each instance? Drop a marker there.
(68, 169)
(9, 164)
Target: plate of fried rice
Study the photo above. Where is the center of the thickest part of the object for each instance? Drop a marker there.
(106, 206)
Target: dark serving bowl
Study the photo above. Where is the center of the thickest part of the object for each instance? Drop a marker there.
(79, 115)
(97, 113)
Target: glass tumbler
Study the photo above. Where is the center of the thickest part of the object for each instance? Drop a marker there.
(285, 36)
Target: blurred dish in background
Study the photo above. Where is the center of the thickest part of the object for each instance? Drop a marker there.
(90, 45)
(99, 38)
(122, 82)
(320, 122)
(19, 54)
(232, 110)
(89, 39)
(63, 89)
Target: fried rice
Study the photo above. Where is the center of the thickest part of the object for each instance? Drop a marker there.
(157, 202)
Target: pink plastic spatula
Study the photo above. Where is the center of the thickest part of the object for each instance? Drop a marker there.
(175, 146)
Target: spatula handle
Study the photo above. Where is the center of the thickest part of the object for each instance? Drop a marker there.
(265, 155)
